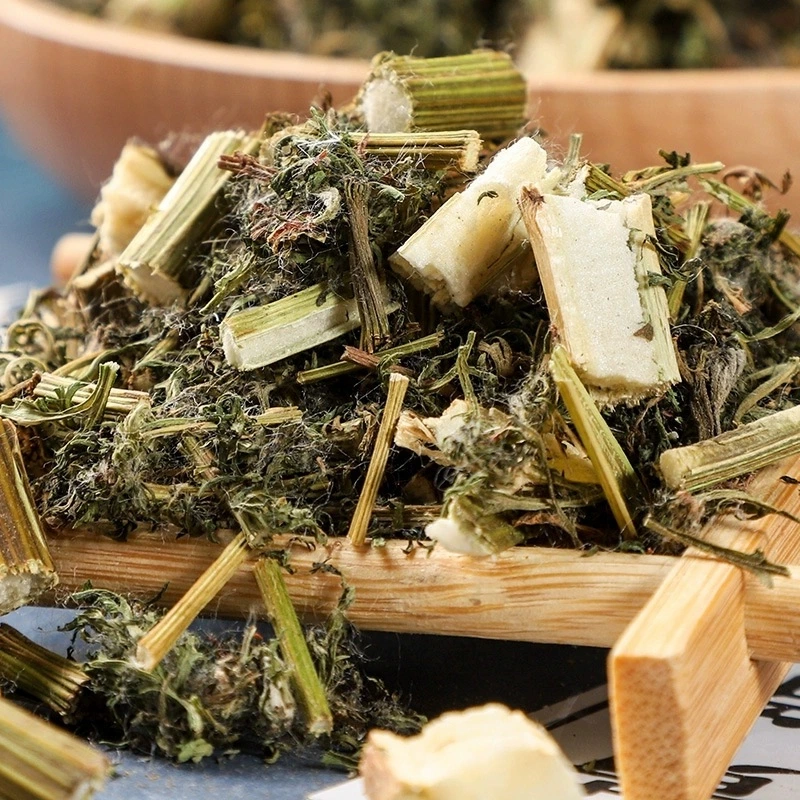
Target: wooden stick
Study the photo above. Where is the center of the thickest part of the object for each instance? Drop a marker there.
(534, 594)
(684, 690)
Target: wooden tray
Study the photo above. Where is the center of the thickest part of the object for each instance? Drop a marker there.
(698, 646)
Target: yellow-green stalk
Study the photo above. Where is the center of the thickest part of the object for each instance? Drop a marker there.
(481, 90)
(310, 691)
(398, 384)
(26, 568)
(733, 453)
(160, 639)
(40, 673)
(154, 263)
(385, 357)
(620, 484)
(39, 761)
(278, 415)
(436, 150)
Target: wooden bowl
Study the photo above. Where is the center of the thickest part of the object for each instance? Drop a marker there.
(74, 89)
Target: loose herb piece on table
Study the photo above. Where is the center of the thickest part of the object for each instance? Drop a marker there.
(221, 694)
(312, 288)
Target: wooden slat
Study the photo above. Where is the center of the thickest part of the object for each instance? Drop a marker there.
(684, 689)
(525, 594)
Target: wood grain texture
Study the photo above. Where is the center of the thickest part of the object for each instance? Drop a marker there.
(75, 89)
(524, 594)
(684, 690)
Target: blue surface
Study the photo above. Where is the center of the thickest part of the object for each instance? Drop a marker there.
(34, 212)
(437, 673)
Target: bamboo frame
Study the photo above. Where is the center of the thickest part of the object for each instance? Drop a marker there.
(684, 689)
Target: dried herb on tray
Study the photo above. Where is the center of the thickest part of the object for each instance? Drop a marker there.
(320, 330)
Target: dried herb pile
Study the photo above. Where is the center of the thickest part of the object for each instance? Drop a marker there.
(223, 358)
(218, 694)
(292, 449)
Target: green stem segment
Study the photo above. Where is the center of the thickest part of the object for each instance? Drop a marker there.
(458, 150)
(398, 384)
(40, 673)
(263, 335)
(41, 762)
(26, 568)
(482, 90)
(367, 285)
(617, 477)
(161, 638)
(154, 264)
(282, 615)
(733, 453)
(385, 359)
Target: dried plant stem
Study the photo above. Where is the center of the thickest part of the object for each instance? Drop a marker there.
(383, 357)
(120, 401)
(279, 414)
(262, 335)
(676, 174)
(26, 569)
(282, 615)
(47, 676)
(159, 640)
(398, 384)
(738, 452)
(481, 90)
(617, 477)
(367, 284)
(457, 150)
(154, 263)
(41, 762)
(696, 218)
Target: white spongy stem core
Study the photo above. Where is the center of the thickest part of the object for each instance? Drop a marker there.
(386, 107)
